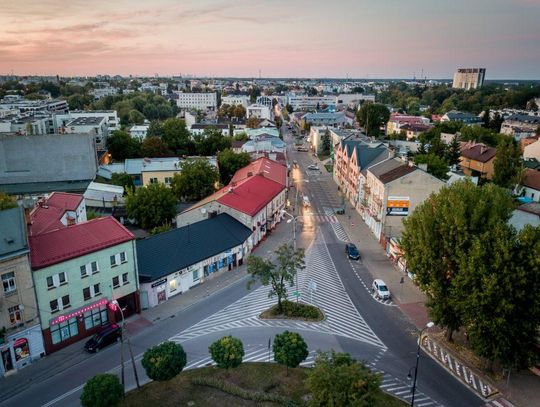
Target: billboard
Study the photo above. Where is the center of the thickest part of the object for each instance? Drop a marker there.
(397, 206)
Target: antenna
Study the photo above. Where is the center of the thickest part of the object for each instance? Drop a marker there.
(259, 74)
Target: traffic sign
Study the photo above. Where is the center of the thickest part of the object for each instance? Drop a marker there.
(296, 294)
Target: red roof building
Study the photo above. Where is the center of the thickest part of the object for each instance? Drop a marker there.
(66, 243)
(56, 212)
(262, 166)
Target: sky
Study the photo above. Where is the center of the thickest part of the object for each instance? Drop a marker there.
(279, 38)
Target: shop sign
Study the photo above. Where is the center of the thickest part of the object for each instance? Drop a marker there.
(160, 282)
(78, 312)
(397, 206)
(21, 349)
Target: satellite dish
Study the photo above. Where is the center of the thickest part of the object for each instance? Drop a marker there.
(203, 210)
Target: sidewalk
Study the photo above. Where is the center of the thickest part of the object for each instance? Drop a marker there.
(74, 354)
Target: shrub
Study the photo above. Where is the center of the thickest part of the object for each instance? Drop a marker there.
(164, 361)
(102, 390)
(231, 388)
(290, 349)
(299, 310)
(227, 352)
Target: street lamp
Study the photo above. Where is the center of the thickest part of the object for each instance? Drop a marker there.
(293, 220)
(117, 305)
(413, 390)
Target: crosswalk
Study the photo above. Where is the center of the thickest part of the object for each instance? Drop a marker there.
(336, 226)
(500, 402)
(320, 218)
(402, 390)
(341, 316)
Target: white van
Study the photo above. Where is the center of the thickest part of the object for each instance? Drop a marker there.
(305, 199)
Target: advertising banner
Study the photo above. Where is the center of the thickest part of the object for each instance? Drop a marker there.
(397, 206)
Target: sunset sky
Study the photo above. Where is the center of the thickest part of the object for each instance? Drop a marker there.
(300, 38)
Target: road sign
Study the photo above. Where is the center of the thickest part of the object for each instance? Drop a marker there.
(296, 294)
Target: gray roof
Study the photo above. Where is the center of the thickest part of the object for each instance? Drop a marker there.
(13, 241)
(524, 118)
(46, 159)
(385, 166)
(367, 156)
(168, 252)
(86, 121)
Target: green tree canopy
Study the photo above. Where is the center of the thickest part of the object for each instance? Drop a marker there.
(372, 116)
(154, 146)
(338, 380)
(164, 361)
(151, 206)
(438, 237)
(176, 136)
(196, 181)
(211, 141)
(278, 275)
(326, 143)
(121, 145)
(102, 390)
(507, 167)
(227, 352)
(7, 201)
(230, 162)
(289, 349)
(436, 166)
(122, 179)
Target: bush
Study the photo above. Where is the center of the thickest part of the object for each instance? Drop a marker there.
(230, 388)
(102, 390)
(300, 310)
(227, 352)
(164, 361)
(290, 349)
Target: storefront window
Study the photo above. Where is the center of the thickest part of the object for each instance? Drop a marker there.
(64, 330)
(21, 349)
(172, 285)
(95, 317)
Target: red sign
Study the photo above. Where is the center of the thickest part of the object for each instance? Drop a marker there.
(80, 311)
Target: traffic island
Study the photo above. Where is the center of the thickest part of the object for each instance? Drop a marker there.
(293, 310)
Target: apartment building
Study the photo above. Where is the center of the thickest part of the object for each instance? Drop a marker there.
(304, 102)
(234, 100)
(469, 78)
(520, 124)
(477, 159)
(200, 101)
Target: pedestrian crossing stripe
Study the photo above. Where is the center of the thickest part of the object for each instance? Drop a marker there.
(322, 218)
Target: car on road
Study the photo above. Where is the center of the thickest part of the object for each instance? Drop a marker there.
(305, 200)
(304, 149)
(380, 289)
(313, 167)
(109, 334)
(352, 251)
(295, 163)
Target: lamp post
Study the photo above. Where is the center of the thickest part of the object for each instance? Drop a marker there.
(413, 390)
(293, 220)
(115, 302)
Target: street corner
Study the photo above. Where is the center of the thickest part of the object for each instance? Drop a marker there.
(416, 311)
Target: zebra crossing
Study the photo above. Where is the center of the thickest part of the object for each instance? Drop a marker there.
(402, 390)
(341, 316)
(326, 218)
(338, 229)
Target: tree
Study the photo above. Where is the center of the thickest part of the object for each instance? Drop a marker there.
(338, 380)
(164, 361)
(252, 122)
(278, 275)
(230, 162)
(289, 349)
(227, 352)
(480, 134)
(326, 144)
(289, 108)
(176, 136)
(155, 129)
(196, 181)
(136, 117)
(453, 151)
(78, 101)
(486, 119)
(437, 239)
(154, 146)
(372, 116)
(151, 206)
(122, 179)
(102, 390)
(121, 145)
(496, 123)
(7, 201)
(436, 166)
(211, 141)
(507, 166)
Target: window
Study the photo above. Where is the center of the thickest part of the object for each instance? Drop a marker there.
(83, 271)
(96, 317)
(116, 282)
(195, 275)
(123, 257)
(86, 293)
(65, 302)
(125, 278)
(172, 285)
(15, 315)
(168, 180)
(50, 282)
(64, 330)
(54, 306)
(153, 180)
(113, 261)
(8, 281)
(94, 267)
(62, 278)
(96, 290)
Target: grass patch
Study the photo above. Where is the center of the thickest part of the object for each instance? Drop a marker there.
(294, 310)
(248, 385)
(329, 168)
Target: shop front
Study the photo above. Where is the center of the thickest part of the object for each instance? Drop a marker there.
(21, 349)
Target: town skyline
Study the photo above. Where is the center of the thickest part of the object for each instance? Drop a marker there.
(282, 40)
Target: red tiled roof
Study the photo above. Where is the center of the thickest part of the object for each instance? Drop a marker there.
(477, 151)
(251, 195)
(46, 216)
(262, 166)
(531, 179)
(74, 241)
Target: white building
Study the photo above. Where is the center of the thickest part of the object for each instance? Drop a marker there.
(259, 111)
(102, 92)
(96, 126)
(234, 100)
(354, 99)
(469, 78)
(139, 131)
(304, 102)
(200, 101)
(111, 118)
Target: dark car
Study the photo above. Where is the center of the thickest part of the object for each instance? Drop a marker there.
(109, 334)
(352, 251)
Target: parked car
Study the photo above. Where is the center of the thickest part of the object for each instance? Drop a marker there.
(305, 200)
(304, 149)
(109, 334)
(380, 289)
(295, 163)
(313, 167)
(352, 251)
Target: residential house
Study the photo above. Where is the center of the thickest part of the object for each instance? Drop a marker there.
(198, 129)
(477, 159)
(397, 120)
(21, 341)
(392, 191)
(99, 195)
(139, 131)
(37, 165)
(532, 150)
(465, 118)
(264, 142)
(171, 263)
(325, 119)
(526, 214)
(520, 123)
(79, 267)
(530, 186)
(259, 111)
